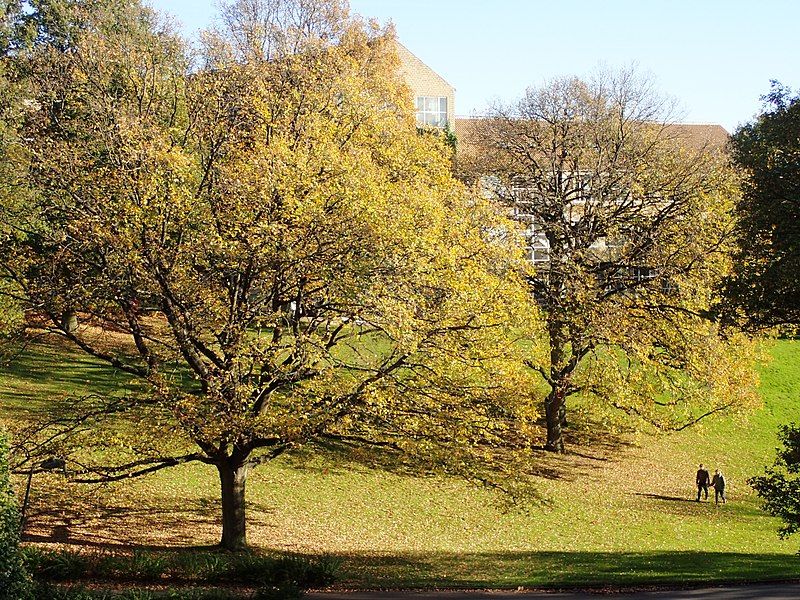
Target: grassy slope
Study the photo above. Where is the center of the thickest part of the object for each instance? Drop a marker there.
(627, 519)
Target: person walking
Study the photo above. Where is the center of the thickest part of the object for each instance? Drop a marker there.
(702, 481)
(718, 483)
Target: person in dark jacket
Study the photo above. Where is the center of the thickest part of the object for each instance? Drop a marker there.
(702, 481)
(718, 483)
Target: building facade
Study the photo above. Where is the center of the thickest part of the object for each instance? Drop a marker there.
(434, 98)
(434, 101)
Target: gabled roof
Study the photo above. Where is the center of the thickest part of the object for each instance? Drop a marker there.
(410, 61)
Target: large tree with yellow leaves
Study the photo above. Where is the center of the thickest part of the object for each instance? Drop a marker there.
(629, 222)
(288, 258)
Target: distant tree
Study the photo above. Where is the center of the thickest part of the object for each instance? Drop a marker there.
(629, 224)
(765, 289)
(13, 190)
(264, 242)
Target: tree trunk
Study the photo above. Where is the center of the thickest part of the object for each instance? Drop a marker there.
(555, 407)
(555, 410)
(232, 479)
(69, 321)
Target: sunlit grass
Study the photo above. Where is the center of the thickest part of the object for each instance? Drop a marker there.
(625, 517)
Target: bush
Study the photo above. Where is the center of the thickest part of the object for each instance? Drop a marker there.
(779, 487)
(139, 566)
(57, 565)
(278, 576)
(286, 591)
(291, 571)
(14, 581)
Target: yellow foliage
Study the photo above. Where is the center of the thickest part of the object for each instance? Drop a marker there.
(291, 258)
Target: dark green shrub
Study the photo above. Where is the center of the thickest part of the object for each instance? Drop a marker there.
(278, 576)
(298, 571)
(57, 565)
(779, 487)
(140, 566)
(14, 581)
(47, 591)
(53, 592)
(305, 572)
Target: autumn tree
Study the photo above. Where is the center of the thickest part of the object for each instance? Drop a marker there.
(12, 187)
(629, 224)
(288, 261)
(765, 288)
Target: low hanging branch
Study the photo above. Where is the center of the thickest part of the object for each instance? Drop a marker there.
(130, 470)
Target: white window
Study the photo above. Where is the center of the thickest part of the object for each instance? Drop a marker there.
(432, 111)
(535, 237)
(538, 246)
(641, 274)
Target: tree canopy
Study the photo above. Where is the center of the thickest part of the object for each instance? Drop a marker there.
(263, 239)
(765, 290)
(629, 226)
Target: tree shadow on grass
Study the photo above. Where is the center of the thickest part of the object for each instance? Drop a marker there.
(329, 457)
(562, 569)
(43, 372)
(678, 505)
(666, 498)
(120, 527)
(508, 570)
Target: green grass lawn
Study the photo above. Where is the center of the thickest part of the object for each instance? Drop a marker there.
(621, 518)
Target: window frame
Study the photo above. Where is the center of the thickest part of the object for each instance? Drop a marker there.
(432, 111)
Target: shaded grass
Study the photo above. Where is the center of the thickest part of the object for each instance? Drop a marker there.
(620, 518)
(573, 569)
(46, 372)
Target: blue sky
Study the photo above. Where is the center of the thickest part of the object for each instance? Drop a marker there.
(715, 57)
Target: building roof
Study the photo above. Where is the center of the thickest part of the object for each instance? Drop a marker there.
(695, 136)
(702, 134)
(410, 63)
